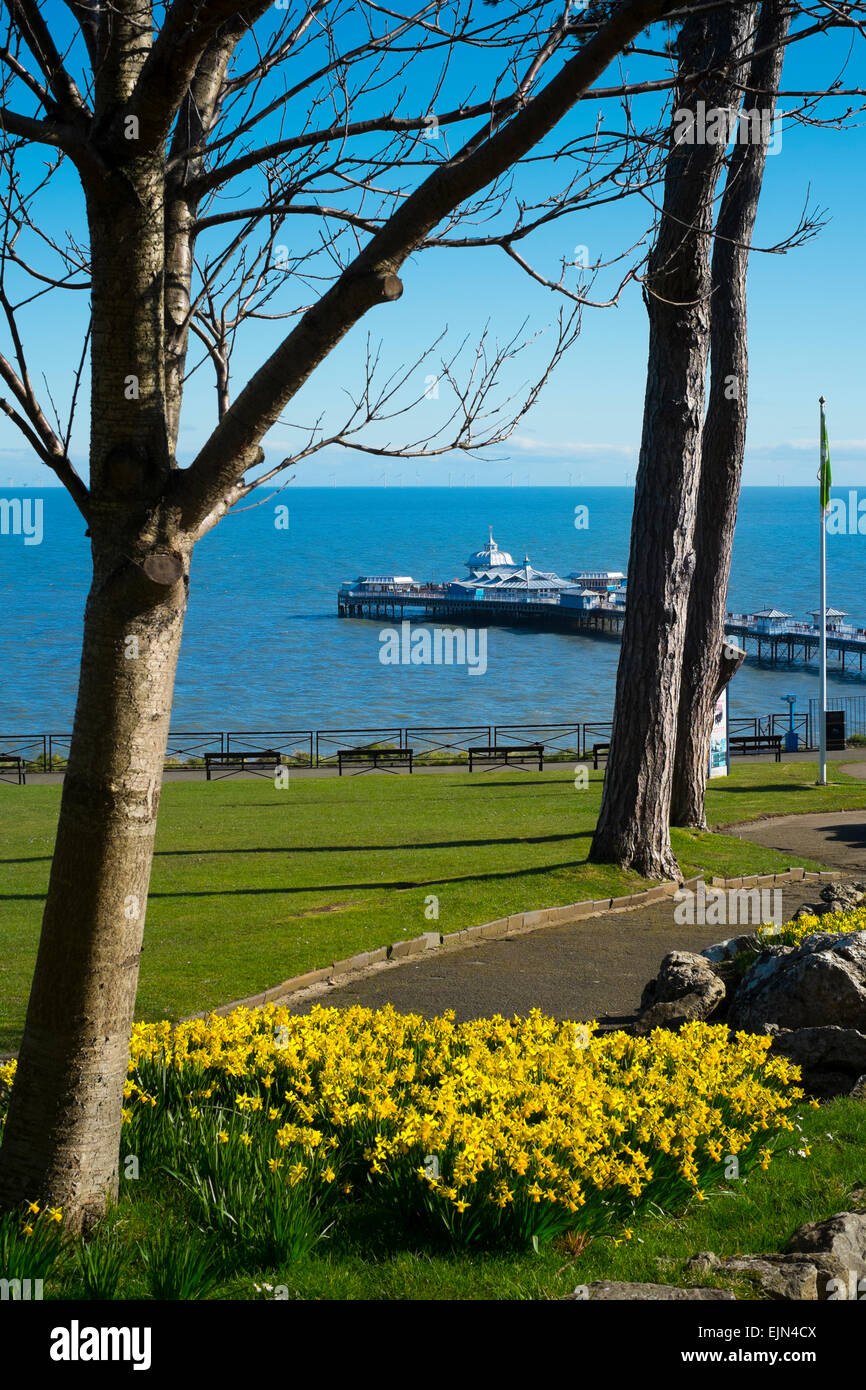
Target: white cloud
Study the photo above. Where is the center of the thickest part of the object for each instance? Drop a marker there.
(567, 448)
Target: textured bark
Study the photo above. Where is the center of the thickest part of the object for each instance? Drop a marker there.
(724, 436)
(633, 825)
(62, 1134)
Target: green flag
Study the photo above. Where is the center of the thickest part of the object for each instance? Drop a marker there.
(825, 475)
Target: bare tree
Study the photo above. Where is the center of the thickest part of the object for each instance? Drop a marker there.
(724, 435)
(187, 122)
(633, 824)
(684, 296)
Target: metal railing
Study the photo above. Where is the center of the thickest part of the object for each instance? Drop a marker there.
(335, 739)
(295, 744)
(432, 743)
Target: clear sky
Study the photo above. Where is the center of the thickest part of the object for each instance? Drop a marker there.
(806, 329)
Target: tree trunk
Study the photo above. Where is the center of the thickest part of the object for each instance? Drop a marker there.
(63, 1129)
(633, 825)
(62, 1133)
(724, 436)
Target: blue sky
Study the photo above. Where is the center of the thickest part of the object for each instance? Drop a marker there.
(806, 331)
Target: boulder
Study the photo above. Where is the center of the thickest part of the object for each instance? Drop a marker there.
(607, 1291)
(687, 987)
(792, 1278)
(837, 1247)
(731, 948)
(841, 897)
(820, 983)
(832, 1060)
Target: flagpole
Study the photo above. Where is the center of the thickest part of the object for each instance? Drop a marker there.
(822, 711)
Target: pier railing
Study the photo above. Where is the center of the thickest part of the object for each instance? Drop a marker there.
(44, 752)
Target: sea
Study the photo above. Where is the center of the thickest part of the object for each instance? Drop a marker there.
(264, 648)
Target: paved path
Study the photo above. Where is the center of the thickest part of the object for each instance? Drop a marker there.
(594, 968)
(836, 839)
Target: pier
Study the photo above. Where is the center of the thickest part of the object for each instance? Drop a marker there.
(434, 601)
(499, 591)
(787, 642)
(780, 643)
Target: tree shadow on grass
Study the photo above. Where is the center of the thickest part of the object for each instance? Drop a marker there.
(346, 849)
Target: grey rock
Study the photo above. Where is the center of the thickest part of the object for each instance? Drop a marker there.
(791, 1278)
(606, 1291)
(841, 897)
(730, 949)
(673, 1013)
(687, 987)
(820, 983)
(704, 1262)
(837, 1247)
(832, 1060)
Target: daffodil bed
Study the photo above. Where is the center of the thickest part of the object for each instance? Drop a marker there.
(490, 1133)
(794, 932)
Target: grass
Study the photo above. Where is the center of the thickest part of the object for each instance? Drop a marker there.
(128, 1253)
(252, 885)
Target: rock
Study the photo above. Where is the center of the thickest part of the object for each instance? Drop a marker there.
(858, 1090)
(821, 982)
(704, 1262)
(841, 897)
(673, 1013)
(837, 1247)
(687, 987)
(792, 1278)
(832, 1060)
(858, 1197)
(730, 949)
(606, 1291)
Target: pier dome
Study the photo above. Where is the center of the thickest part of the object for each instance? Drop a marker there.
(490, 557)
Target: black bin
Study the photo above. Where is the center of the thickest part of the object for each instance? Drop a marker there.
(835, 730)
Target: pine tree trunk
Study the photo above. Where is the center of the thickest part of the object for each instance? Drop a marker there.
(724, 436)
(633, 825)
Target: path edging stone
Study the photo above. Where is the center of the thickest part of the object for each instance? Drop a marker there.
(518, 923)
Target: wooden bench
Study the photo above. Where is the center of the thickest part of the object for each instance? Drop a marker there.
(497, 754)
(757, 743)
(374, 757)
(599, 750)
(13, 763)
(263, 761)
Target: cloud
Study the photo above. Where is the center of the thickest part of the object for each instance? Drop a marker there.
(807, 446)
(568, 448)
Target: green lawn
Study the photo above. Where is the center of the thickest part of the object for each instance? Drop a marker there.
(251, 885)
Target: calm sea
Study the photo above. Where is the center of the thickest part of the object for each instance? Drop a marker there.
(265, 650)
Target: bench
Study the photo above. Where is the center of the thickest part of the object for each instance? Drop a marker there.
(599, 750)
(498, 754)
(261, 759)
(374, 757)
(757, 743)
(13, 763)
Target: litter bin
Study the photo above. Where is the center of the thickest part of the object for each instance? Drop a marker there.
(792, 741)
(835, 730)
